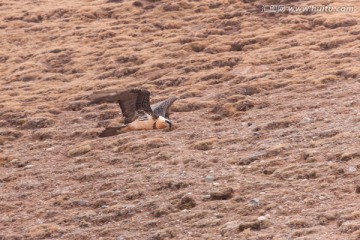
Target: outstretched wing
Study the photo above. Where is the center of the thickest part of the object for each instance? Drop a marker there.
(142, 100)
(130, 101)
(163, 108)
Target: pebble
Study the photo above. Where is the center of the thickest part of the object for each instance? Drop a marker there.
(322, 198)
(18, 163)
(352, 169)
(28, 166)
(205, 197)
(14, 161)
(77, 151)
(307, 120)
(255, 202)
(209, 178)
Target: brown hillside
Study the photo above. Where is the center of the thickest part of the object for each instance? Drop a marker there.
(266, 143)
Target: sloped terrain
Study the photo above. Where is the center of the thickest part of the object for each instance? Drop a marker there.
(266, 143)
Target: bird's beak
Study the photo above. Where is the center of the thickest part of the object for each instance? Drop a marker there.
(169, 123)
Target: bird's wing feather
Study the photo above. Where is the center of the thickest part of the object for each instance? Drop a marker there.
(163, 108)
(142, 100)
(109, 96)
(127, 100)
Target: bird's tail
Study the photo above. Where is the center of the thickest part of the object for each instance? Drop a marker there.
(112, 131)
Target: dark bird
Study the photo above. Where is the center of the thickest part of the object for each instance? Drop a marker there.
(135, 107)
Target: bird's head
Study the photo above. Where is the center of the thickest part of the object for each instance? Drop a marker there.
(163, 123)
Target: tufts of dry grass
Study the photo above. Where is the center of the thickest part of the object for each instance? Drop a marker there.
(48, 230)
(203, 145)
(267, 105)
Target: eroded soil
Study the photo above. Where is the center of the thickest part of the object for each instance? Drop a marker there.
(266, 143)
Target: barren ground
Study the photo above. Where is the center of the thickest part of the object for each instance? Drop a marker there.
(267, 136)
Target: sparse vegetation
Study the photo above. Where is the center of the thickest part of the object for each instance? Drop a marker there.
(266, 137)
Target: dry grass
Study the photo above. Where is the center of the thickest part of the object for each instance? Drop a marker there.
(44, 231)
(268, 106)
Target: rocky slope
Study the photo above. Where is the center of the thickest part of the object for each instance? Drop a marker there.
(267, 136)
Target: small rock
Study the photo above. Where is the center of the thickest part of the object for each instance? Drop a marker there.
(209, 178)
(28, 166)
(255, 202)
(222, 194)
(206, 197)
(307, 120)
(14, 161)
(18, 163)
(79, 151)
(244, 124)
(262, 218)
(322, 198)
(352, 169)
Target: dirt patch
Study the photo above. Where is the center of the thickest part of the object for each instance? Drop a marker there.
(266, 128)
